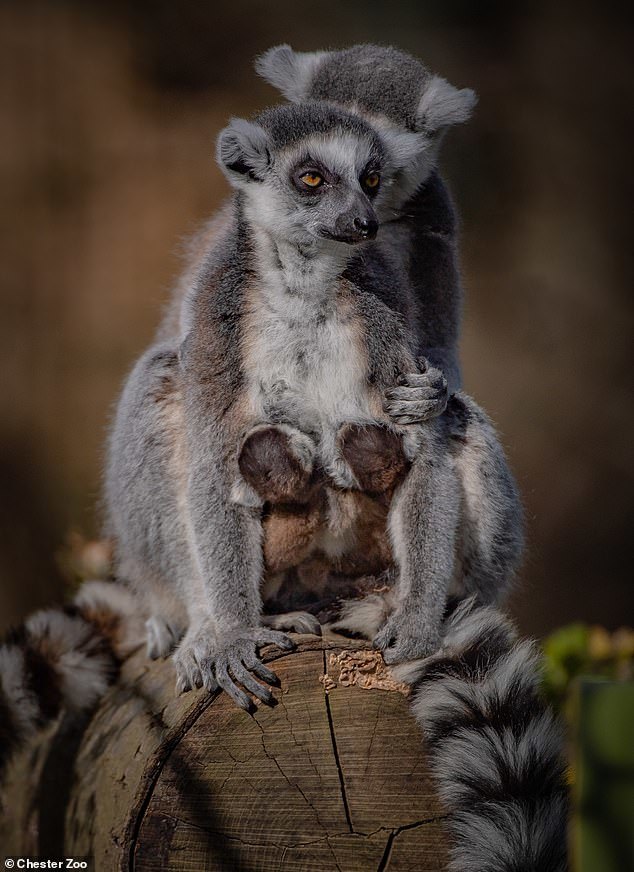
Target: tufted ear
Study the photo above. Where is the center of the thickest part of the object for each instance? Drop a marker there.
(243, 151)
(442, 105)
(291, 72)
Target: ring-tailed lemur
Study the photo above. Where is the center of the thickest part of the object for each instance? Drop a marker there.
(395, 92)
(288, 354)
(287, 350)
(282, 330)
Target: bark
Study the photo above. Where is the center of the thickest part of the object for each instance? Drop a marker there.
(333, 777)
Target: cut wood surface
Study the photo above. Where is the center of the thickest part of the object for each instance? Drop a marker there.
(333, 777)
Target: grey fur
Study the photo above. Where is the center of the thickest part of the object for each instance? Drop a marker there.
(496, 750)
(63, 659)
(329, 327)
(378, 79)
(284, 321)
(396, 91)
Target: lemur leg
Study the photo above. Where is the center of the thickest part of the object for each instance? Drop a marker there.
(180, 539)
(491, 526)
(224, 640)
(423, 524)
(145, 467)
(456, 527)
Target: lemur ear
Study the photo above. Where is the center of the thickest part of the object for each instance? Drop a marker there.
(291, 72)
(243, 151)
(442, 105)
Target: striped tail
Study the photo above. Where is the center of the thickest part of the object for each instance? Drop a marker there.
(62, 658)
(496, 749)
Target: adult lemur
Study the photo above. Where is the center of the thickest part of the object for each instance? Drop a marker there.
(295, 335)
(285, 429)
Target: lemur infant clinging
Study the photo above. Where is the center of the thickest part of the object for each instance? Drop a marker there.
(395, 91)
(290, 347)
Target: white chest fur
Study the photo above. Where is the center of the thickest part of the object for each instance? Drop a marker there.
(305, 354)
(307, 368)
(309, 363)
(304, 348)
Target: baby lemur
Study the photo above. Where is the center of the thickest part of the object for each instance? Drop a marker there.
(277, 422)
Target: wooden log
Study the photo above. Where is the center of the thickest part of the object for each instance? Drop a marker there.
(333, 777)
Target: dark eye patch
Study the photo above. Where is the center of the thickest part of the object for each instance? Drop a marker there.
(372, 167)
(309, 165)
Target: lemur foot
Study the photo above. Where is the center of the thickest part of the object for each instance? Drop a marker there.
(406, 636)
(162, 636)
(239, 655)
(277, 462)
(207, 660)
(418, 397)
(294, 622)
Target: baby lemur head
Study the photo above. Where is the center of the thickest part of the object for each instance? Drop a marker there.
(387, 86)
(314, 172)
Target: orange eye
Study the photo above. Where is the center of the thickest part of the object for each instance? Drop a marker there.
(313, 180)
(372, 180)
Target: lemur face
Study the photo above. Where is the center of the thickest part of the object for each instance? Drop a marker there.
(315, 171)
(331, 182)
(390, 89)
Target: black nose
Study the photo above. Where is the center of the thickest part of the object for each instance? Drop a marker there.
(366, 227)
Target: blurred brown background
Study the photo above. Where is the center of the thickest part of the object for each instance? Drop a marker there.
(109, 112)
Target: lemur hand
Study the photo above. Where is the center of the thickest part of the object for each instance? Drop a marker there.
(206, 659)
(406, 636)
(418, 397)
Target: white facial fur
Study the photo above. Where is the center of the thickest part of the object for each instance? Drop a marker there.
(276, 207)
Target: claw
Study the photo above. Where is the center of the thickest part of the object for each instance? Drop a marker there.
(209, 661)
(182, 686)
(263, 672)
(226, 683)
(273, 637)
(258, 690)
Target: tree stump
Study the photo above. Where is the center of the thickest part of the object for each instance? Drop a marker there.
(332, 778)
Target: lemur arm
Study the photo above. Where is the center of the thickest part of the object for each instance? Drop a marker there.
(435, 280)
(456, 525)
(435, 277)
(224, 600)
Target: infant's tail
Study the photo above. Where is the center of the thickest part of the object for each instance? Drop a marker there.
(496, 749)
(62, 658)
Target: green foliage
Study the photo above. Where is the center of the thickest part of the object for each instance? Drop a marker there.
(603, 787)
(581, 650)
(587, 673)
